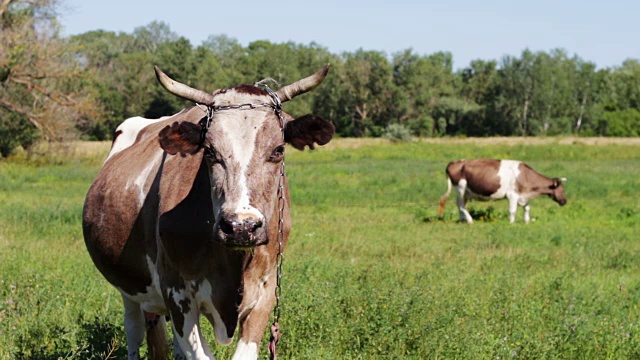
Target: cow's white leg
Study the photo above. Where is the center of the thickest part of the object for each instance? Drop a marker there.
(246, 351)
(190, 341)
(461, 189)
(513, 207)
(134, 327)
(527, 217)
(186, 327)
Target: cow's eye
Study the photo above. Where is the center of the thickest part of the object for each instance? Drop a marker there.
(277, 154)
(213, 155)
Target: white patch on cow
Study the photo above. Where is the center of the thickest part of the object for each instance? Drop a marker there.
(508, 173)
(243, 146)
(130, 128)
(245, 351)
(150, 300)
(192, 342)
(203, 298)
(177, 295)
(140, 180)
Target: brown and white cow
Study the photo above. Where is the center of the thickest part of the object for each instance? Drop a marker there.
(186, 220)
(488, 179)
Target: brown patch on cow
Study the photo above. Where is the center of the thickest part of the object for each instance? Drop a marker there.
(481, 175)
(249, 90)
(181, 137)
(307, 130)
(186, 210)
(118, 252)
(454, 171)
(530, 180)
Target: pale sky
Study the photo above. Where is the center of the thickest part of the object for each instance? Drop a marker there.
(605, 32)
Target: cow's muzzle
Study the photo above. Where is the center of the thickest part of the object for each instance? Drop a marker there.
(241, 232)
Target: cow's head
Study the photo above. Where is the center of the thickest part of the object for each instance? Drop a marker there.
(244, 149)
(557, 191)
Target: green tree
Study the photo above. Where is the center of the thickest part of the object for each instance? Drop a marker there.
(586, 91)
(425, 91)
(479, 85)
(514, 97)
(360, 94)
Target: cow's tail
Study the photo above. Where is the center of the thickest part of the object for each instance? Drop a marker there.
(157, 345)
(443, 199)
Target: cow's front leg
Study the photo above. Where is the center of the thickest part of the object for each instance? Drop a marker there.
(185, 315)
(257, 305)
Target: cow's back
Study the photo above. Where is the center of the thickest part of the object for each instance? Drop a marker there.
(481, 175)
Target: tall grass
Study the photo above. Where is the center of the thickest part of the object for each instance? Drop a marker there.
(370, 270)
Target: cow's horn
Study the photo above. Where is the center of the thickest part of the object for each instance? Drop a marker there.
(299, 87)
(563, 179)
(182, 90)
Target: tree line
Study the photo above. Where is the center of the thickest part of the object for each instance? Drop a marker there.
(55, 88)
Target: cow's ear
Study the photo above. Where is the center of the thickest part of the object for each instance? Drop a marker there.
(180, 137)
(556, 182)
(307, 130)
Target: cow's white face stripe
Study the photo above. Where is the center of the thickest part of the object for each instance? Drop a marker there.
(243, 139)
(246, 351)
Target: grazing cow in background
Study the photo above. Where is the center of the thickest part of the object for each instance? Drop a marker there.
(192, 217)
(488, 179)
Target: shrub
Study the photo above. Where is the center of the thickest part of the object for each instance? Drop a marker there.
(15, 131)
(397, 133)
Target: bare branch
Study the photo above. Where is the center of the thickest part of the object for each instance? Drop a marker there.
(3, 6)
(20, 110)
(58, 98)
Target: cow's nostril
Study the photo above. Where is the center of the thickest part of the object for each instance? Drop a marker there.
(226, 226)
(233, 226)
(251, 224)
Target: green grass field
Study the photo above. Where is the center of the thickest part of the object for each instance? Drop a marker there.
(371, 271)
